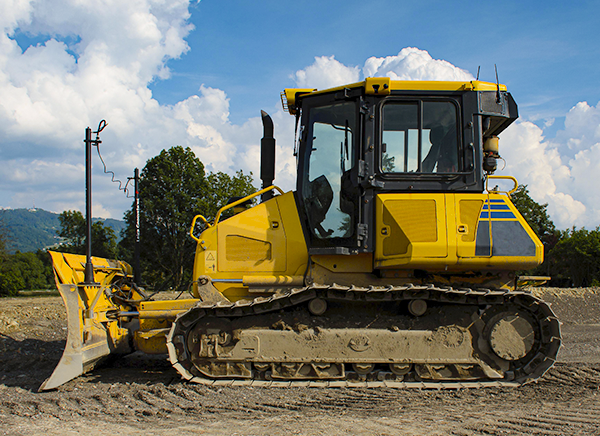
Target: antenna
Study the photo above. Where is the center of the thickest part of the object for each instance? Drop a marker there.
(478, 68)
(498, 99)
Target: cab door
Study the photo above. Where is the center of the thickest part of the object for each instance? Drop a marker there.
(328, 194)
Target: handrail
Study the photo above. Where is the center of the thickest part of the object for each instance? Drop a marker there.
(229, 206)
(514, 180)
(243, 200)
(194, 226)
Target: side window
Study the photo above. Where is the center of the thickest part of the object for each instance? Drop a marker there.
(400, 139)
(328, 203)
(419, 137)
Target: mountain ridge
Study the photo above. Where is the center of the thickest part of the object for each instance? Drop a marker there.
(37, 229)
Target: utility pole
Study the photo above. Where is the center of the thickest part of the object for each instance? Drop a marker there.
(89, 268)
(137, 272)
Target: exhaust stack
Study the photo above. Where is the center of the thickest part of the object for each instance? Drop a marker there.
(267, 156)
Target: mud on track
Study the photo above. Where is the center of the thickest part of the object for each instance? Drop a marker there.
(141, 394)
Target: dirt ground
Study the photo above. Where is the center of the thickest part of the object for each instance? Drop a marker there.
(138, 394)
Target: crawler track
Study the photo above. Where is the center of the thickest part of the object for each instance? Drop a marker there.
(365, 313)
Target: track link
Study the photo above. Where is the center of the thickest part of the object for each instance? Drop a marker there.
(529, 368)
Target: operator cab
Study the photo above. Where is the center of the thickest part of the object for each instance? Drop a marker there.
(383, 136)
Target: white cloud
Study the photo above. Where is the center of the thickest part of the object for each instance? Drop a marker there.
(562, 171)
(413, 64)
(558, 172)
(99, 59)
(579, 146)
(12, 12)
(535, 163)
(582, 129)
(326, 72)
(410, 64)
(97, 63)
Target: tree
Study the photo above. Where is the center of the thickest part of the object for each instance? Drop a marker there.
(535, 214)
(173, 188)
(44, 257)
(571, 255)
(577, 256)
(388, 163)
(221, 187)
(74, 230)
(2, 243)
(538, 219)
(3, 239)
(22, 271)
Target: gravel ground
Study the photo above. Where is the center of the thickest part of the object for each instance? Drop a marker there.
(143, 394)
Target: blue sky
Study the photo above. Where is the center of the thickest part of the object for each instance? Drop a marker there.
(546, 52)
(197, 74)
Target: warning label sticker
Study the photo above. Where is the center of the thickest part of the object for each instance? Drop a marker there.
(210, 260)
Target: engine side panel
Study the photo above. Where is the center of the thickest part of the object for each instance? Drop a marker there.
(255, 250)
(453, 232)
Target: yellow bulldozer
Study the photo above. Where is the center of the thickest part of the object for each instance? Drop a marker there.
(394, 263)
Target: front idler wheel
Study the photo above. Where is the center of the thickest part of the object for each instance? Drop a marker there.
(511, 336)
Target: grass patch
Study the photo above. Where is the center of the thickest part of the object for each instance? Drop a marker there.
(39, 293)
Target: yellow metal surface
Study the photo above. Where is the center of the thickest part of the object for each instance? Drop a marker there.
(468, 210)
(152, 341)
(241, 248)
(360, 263)
(193, 227)
(92, 302)
(91, 335)
(165, 309)
(273, 280)
(151, 336)
(245, 199)
(438, 232)
(377, 85)
(252, 241)
(288, 98)
(70, 268)
(488, 277)
(532, 281)
(510, 191)
(466, 248)
(291, 94)
(467, 213)
(265, 240)
(410, 228)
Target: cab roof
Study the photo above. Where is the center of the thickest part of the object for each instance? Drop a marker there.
(385, 85)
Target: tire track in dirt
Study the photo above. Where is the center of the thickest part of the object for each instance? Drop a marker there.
(552, 418)
(143, 394)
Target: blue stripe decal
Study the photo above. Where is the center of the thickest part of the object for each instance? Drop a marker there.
(497, 215)
(495, 201)
(496, 206)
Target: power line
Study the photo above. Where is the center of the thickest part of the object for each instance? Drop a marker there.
(96, 143)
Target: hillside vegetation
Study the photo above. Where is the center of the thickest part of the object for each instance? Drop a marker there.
(29, 230)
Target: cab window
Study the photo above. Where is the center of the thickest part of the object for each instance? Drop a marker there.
(419, 137)
(328, 204)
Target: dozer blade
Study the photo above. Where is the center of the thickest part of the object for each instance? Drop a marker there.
(91, 334)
